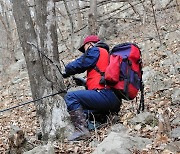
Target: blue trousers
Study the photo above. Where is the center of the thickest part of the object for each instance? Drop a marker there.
(102, 101)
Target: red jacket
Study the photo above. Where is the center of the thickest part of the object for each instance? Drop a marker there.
(93, 77)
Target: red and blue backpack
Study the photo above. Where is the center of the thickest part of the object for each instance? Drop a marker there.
(124, 72)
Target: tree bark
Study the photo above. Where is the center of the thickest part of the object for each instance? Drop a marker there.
(102, 31)
(71, 25)
(8, 57)
(178, 5)
(43, 75)
(92, 18)
(79, 16)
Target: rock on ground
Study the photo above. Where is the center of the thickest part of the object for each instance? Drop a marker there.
(121, 143)
(46, 149)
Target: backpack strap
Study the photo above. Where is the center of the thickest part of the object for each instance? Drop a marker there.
(127, 80)
(141, 105)
(98, 70)
(102, 80)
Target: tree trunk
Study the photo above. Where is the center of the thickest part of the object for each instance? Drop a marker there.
(79, 16)
(8, 57)
(43, 75)
(178, 5)
(92, 18)
(102, 31)
(71, 25)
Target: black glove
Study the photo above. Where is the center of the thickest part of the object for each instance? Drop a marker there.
(79, 81)
(65, 75)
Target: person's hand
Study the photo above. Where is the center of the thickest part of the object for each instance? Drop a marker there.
(65, 75)
(79, 81)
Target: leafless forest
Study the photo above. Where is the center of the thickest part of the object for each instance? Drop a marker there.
(33, 29)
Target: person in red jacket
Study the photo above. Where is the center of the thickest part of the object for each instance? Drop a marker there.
(98, 97)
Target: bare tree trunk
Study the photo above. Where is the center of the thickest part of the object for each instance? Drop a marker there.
(7, 57)
(102, 31)
(44, 77)
(178, 5)
(10, 41)
(92, 17)
(71, 25)
(79, 17)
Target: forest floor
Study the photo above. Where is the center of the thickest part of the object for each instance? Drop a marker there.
(16, 89)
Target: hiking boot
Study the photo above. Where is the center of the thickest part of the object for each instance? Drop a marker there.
(79, 120)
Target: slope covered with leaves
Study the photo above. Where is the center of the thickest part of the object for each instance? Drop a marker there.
(161, 77)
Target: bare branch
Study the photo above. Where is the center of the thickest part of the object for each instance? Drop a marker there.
(118, 10)
(156, 22)
(135, 11)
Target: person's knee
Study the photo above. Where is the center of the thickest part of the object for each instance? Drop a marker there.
(68, 98)
(71, 101)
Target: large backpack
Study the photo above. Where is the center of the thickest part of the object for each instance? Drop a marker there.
(124, 72)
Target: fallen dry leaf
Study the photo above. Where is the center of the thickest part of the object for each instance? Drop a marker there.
(160, 139)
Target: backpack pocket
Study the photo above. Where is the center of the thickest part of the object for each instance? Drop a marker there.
(112, 71)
